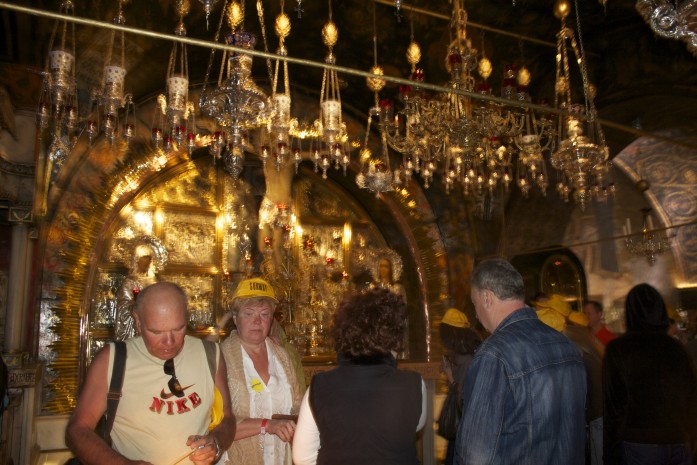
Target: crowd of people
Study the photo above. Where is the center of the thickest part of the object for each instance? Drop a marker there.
(546, 385)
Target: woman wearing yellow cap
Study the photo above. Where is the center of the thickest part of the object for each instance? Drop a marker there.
(459, 341)
(261, 380)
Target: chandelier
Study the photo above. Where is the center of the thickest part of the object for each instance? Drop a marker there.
(331, 145)
(580, 153)
(57, 113)
(470, 141)
(236, 103)
(464, 135)
(112, 112)
(482, 144)
(109, 99)
(277, 141)
(647, 244)
(375, 174)
(177, 113)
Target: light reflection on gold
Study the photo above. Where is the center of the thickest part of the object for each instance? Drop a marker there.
(144, 220)
(126, 212)
(159, 217)
(346, 243)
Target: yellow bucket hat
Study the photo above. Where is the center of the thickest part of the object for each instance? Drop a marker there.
(454, 317)
(551, 318)
(254, 287)
(555, 302)
(579, 318)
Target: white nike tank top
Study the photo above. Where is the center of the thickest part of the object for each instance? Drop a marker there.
(151, 423)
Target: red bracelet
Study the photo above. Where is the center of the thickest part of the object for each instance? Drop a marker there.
(262, 430)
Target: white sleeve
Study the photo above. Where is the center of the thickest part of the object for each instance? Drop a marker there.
(424, 406)
(306, 438)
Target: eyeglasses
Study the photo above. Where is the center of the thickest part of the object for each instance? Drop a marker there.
(173, 383)
(251, 314)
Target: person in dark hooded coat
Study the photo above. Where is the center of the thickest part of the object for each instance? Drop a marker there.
(650, 389)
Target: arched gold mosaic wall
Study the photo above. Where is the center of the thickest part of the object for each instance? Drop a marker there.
(184, 203)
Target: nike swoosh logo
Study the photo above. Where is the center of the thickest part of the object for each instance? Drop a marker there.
(164, 395)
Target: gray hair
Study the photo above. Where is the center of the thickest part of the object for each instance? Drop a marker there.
(238, 303)
(500, 277)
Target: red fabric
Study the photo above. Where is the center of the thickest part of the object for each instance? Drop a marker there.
(605, 335)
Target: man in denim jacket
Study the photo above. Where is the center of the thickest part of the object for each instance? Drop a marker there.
(524, 393)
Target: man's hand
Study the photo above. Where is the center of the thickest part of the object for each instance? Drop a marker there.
(205, 449)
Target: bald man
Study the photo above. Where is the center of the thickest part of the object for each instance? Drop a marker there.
(165, 408)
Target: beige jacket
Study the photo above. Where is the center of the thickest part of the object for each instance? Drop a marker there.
(247, 451)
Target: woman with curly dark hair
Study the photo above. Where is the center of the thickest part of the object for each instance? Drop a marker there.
(365, 410)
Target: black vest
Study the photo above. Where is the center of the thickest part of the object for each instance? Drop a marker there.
(366, 412)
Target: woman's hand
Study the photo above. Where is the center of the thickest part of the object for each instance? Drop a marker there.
(284, 429)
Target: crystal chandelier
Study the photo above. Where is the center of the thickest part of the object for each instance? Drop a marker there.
(176, 114)
(647, 244)
(421, 130)
(110, 98)
(579, 153)
(472, 142)
(532, 143)
(236, 103)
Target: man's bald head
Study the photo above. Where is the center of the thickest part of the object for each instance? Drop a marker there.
(161, 290)
(161, 318)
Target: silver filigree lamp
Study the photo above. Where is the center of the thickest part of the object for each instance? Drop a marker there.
(110, 99)
(375, 174)
(276, 141)
(176, 111)
(236, 103)
(645, 243)
(580, 152)
(57, 112)
(58, 101)
(332, 144)
(672, 19)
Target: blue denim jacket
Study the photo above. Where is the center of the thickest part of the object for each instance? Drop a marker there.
(523, 398)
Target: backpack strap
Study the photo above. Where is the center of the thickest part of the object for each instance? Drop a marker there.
(211, 353)
(114, 394)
